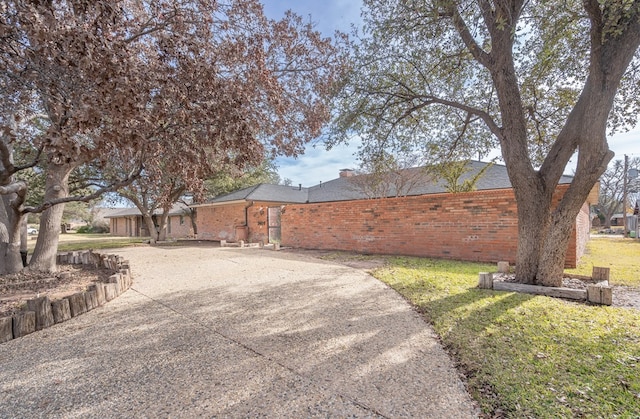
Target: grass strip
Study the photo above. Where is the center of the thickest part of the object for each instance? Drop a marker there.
(79, 241)
(620, 255)
(524, 355)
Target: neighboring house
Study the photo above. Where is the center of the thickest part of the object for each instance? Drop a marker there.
(101, 214)
(617, 219)
(128, 222)
(422, 220)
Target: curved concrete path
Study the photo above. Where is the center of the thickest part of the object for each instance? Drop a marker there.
(211, 332)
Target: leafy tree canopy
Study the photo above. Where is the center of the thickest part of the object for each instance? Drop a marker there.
(417, 82)
(225, 182)
(149, 88)
(539, 79)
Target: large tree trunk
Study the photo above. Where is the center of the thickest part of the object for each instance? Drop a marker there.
(12, 197)
(162, 225)
(193, 216)
(56, 187)
(551, 228)
(13, 257)
(533, 225)
(11, 226)
(10, 238)
(151, 226)
(543, 236)
(5, 227)
(544, 231)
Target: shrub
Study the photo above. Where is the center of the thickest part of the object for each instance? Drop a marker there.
(96, 228)
(84, 229)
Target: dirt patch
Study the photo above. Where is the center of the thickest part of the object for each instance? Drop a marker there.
(16, 289)
(626, 297)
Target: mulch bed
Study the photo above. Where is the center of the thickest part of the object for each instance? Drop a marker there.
(16, 289)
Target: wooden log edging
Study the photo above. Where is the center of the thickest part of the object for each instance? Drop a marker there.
(42, 312)
(558, 292)
(596, 293)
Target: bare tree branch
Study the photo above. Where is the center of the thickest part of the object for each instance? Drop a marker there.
(86, 198)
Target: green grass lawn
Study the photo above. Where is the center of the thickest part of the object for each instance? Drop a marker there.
(530, 356)
(76, 241)
(622, 256)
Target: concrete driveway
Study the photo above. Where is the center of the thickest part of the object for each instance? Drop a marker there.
(227, 332)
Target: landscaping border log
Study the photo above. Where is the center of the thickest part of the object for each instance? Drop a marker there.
(485, 280)
(559, 292)
(43, 312)
(42, 307)
(24, 323)
(61, 310)
(6, 329)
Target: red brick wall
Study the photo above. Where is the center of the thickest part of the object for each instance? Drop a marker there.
(179, 230)
(476, 226)
(220, 222)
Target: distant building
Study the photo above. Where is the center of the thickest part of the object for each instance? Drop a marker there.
(128, 222)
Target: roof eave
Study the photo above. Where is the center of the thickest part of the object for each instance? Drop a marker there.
(217, 204)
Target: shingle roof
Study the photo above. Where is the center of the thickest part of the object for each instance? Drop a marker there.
(419, 183)
(353, 187)
(177, 209)
(266, 192)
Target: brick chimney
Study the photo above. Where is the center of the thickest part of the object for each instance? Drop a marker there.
(346, 172)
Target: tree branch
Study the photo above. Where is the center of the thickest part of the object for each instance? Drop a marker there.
(430, 100)
(86, 198)
(33, 163)
(20, 189)
(15, 187)
(148, 27)
(486, 118)
(463, 30)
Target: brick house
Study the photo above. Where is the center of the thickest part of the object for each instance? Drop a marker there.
(128, 222)
(422, 220)
(250, 214)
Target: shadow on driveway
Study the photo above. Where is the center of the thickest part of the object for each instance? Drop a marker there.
(236, 333)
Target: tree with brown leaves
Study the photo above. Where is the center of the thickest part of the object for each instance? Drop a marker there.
(146, 88)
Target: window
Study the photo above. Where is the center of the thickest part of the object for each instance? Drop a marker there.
(182, 220)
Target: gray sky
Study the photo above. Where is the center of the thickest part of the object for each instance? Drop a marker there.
(318, 164)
